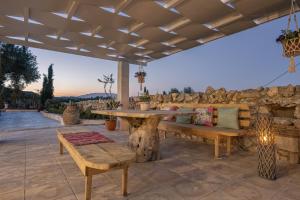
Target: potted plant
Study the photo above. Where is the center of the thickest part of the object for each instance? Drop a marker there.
(145, 100)
(140, 75)
(290, 40)
(144, 103)
(111, 122)
(112, 104)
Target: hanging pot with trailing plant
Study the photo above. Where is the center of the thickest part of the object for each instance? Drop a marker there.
(140, 75)
(290, 39)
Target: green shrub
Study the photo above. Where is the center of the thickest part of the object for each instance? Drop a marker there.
(55, 106)
(173, 90)
(188, 90)
(87, 114)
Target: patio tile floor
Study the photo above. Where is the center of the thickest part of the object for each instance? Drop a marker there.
(31, 168)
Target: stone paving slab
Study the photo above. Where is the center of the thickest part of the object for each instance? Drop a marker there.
(12, 121)
(32, 169)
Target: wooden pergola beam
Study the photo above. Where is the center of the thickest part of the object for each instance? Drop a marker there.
(96, 30)
(26, 21)
(173, 3)
(71, 9)
(122, 6)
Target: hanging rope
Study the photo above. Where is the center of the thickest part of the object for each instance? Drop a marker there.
(278, 77)
(292, 13)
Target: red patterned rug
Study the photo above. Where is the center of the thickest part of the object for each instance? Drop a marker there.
(84, 138)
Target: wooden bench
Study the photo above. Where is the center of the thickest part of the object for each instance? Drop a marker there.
(97, 158)
(214, 133)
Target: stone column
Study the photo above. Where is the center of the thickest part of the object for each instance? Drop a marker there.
(123, 89)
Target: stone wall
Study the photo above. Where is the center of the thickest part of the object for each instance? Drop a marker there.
(93, 104)
(101, 104)
(282, 102)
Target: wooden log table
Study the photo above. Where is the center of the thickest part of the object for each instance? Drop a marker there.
(143, 133)
(97, 158)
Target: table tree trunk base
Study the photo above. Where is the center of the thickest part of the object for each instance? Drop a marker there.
(144, 138)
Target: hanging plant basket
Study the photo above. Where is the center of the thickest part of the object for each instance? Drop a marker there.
(141, 79)
(290, 40)
(140, 75)
(291, 47)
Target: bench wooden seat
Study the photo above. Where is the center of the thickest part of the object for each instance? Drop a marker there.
(214, 133)
(97, 158)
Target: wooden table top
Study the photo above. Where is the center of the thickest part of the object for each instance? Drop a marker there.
(141, 114)
(102, 156)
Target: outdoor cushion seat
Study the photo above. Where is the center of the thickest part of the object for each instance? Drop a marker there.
(191, 129)
(216, 133)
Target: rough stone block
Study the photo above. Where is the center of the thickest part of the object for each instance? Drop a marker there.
(291, 157)
(297, 123)
(249, 94)
(297, 112)
(209, 90)
(174, 96)
(273, 91)
(264, 109)
(297, 88)
(287, 91)
(290, 144)
(283, 121)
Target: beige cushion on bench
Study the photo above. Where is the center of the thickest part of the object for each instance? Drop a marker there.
(228, 118)
(190, 129)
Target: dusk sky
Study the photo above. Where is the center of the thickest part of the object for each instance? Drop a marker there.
(248, 59)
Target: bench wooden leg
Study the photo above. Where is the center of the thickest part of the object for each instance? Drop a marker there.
(124, 181)
(88, 187)
(61, 148)
(217, 146)
(228, 146)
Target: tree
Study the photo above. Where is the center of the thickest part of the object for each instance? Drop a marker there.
(6, 59)
(174, 90)
(146, 91)
(188, 90)
(50, 88)
(107, 79)
(19, 68)
(47, 89)
(44, 90)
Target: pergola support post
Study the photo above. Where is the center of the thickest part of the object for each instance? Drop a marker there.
(123, 90)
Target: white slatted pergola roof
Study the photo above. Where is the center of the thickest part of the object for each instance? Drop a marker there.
(135, 31)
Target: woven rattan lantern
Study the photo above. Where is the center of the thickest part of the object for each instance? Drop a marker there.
(266, 147)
